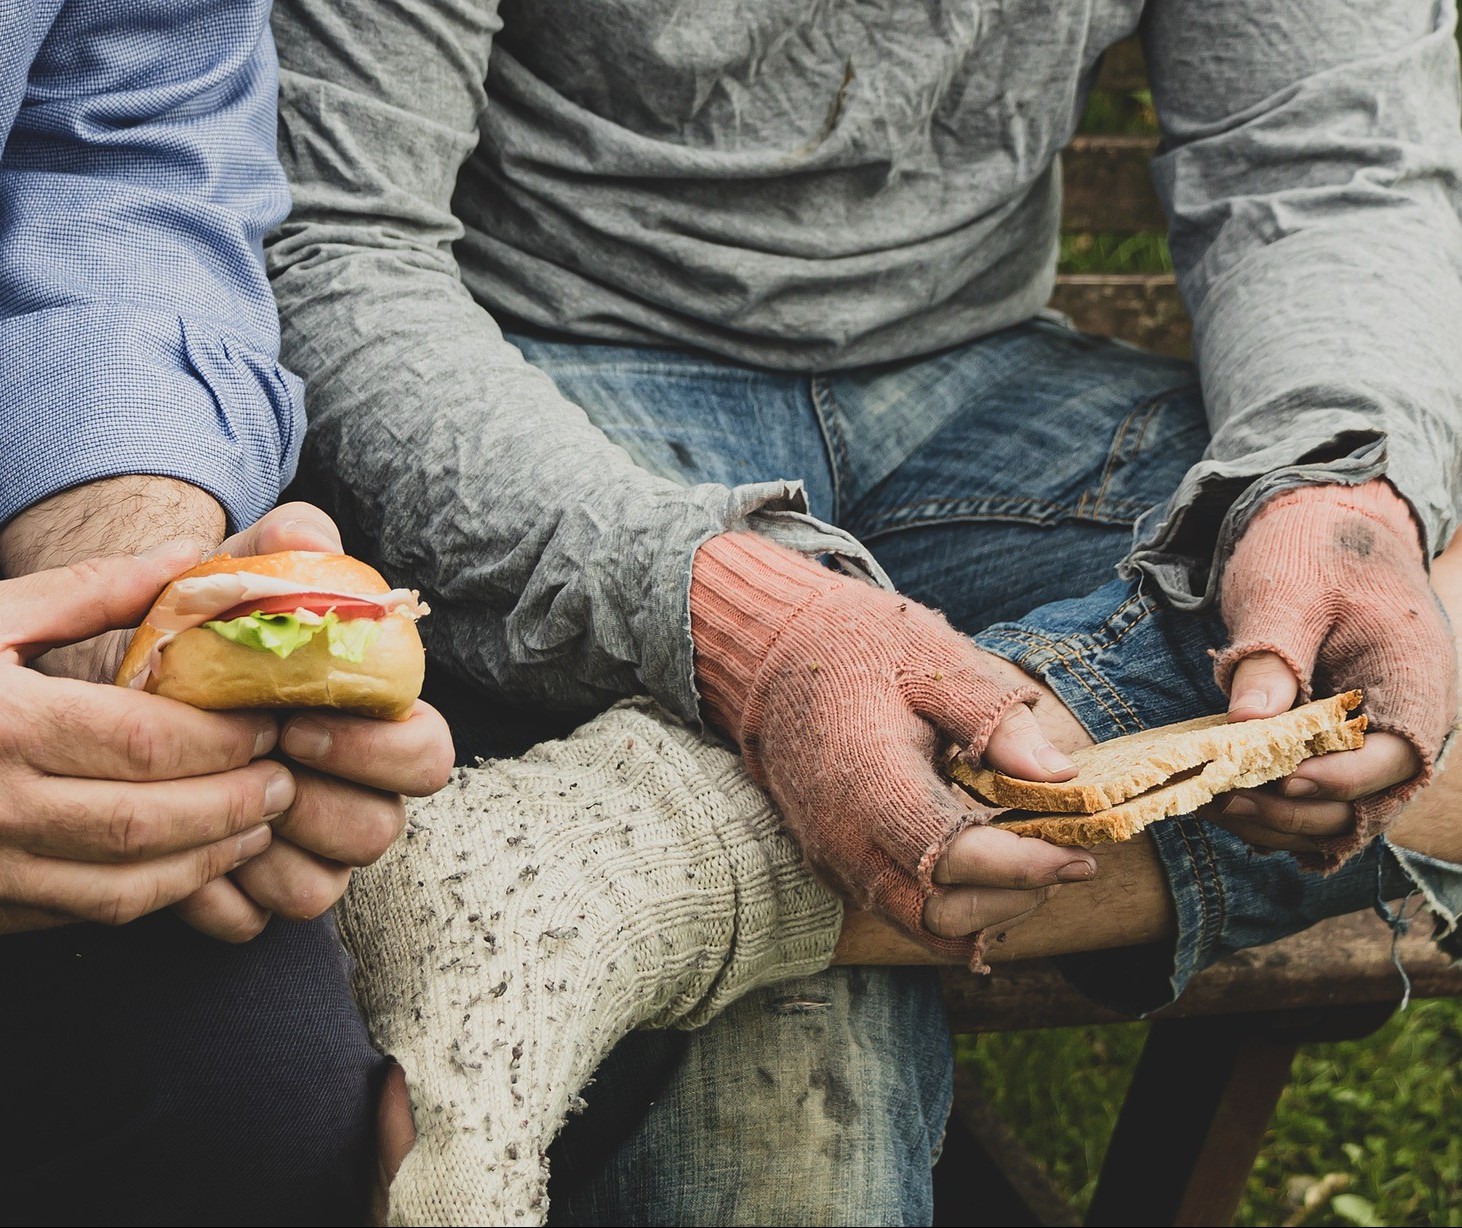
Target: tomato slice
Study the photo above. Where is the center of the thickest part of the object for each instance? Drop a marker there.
(315, 603)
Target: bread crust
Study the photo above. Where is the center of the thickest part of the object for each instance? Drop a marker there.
(202, 668)
(1124, 821)
(1160, 773)
(1112, 772)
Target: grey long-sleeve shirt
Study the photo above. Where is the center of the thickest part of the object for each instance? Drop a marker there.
(809, 186)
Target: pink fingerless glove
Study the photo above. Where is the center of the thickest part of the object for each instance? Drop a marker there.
(834, 690)
(1331, 578)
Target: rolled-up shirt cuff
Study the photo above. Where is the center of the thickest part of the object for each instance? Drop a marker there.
(96, 392)
(778, 511)
(1182, 545)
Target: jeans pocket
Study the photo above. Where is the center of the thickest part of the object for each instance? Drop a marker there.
(1152, 447)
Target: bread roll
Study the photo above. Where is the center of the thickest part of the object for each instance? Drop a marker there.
(203, 668)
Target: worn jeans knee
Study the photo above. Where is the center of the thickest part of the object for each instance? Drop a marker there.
(818, 1101)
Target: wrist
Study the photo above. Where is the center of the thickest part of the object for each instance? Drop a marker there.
(1377, 500)
(124, 514)
(744, 590)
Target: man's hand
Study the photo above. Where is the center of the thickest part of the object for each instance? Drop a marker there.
(116, 803)
(350, 773)
(348, 806)
(1328, 589)
(840, 696)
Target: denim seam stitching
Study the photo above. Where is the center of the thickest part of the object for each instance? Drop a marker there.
(1070, 661)
(1119, 513)
(825, 409)
(1103, 637)
(1079, 659)
(1064, 659)
(1148, 411)
(1059, 648)
(1220, 896)
(1201, 892)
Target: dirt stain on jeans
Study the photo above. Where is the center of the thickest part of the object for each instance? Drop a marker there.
(838, 1101)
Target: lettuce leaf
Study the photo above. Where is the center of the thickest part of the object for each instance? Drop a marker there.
(282, 634)
(349, 640)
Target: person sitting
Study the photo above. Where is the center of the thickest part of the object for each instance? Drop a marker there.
(163, 1076)
(618, 324)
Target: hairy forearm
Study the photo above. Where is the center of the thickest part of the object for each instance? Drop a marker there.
(117, 515)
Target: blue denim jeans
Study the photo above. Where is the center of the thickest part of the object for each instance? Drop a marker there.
(998, 481)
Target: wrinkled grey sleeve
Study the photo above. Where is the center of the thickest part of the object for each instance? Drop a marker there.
(558, 570)
(1310, 168)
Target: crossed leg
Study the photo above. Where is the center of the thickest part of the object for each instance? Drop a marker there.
(1130, 901)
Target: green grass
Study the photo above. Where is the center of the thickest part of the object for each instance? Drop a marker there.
(1375, 1120)
(1130, 114)
(1108, 253)
(1119, 113)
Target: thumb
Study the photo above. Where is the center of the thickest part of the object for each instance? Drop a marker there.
(38, 612)
(1262, 684)
(291, 526)
(1018, 747)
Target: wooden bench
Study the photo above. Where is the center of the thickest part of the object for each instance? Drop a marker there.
(1214, 1063)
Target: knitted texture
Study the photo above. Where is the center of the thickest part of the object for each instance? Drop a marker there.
(1333, 580)
(536, 911)
(838, 694)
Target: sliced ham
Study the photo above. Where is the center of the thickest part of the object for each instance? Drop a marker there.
(191, 603)
(200, 599)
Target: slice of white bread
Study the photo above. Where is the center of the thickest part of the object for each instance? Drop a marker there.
(1129, 782)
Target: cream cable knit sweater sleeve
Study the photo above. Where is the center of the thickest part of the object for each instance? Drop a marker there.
(539, 909)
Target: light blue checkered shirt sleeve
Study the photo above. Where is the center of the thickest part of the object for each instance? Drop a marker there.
(138, 178)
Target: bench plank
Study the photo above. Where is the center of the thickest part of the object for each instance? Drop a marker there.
(1123, 68)
(1339, 962)
(1107, 185)
(1141, 309)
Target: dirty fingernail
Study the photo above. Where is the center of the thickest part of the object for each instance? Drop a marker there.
(278, 793)
(253, 842)
(1240, 808)
(306, 739)
(1250, 699)
(1298, 786)
(1052, 759)
(1076, 872)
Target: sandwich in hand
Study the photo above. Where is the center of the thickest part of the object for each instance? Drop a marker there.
(1123, 785)
(290, 630)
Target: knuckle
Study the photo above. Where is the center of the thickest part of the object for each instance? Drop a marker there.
(88, 572)
(380, 823)
(1038, 874)
(952, 915)
(242, 800)
(124, 904)
(298, 510)
(1026, 877)
(242, 928)
(1346, 782)
(127, 834)
(14, 721)
(433, 771)
(18, 883)
(310, 896)
(144, 750)
(1284, 817)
